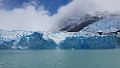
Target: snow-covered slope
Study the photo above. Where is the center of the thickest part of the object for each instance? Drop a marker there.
(77, 23)
(109, 24)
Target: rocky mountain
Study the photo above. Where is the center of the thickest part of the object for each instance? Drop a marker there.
(75, 24)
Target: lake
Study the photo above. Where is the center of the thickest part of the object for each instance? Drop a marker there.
(60, 58)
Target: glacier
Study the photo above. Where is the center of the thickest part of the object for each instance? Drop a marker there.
(102, 34)
(94, 42)
(57, 40)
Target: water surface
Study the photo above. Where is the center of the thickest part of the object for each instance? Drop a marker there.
(60, 58)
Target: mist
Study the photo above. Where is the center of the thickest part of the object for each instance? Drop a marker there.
(28, 18)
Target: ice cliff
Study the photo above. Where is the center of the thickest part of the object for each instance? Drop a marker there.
(59, 40)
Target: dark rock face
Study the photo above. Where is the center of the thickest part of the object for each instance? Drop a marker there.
(84, 24)
(36, 41)
(81, 23)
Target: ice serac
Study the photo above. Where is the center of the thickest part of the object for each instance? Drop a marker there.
(94, 42)
(36, 41)
(84, 40)
(9, 39)
(63, 40)
(58, 40)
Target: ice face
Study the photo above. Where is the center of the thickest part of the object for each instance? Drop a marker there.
(36, 41)
(94, 42)
(58, 40)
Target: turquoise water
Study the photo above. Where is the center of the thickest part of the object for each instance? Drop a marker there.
(60, 58)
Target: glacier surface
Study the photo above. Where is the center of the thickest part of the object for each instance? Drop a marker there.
(58, 40)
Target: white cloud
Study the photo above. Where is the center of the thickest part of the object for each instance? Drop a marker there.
(25, 19)
(81, 7)
(77, 7)
(30, 19)
(108, 5)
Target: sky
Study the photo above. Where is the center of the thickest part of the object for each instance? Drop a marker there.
(45, 15)
(51, 5)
